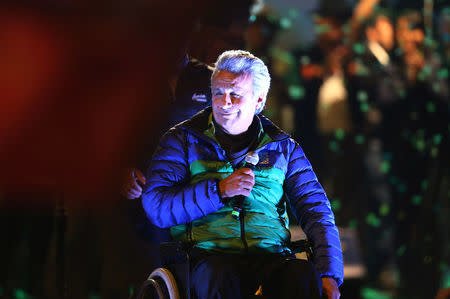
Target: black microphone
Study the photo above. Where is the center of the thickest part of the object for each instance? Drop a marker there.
(251, 159)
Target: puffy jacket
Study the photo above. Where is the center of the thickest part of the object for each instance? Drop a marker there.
(182, 193)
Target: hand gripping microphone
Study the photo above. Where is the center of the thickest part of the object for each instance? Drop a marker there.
(251, 159)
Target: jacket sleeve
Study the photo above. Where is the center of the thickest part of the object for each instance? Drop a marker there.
(169, 198)
(313, 211)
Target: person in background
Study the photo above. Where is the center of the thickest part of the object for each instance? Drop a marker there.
(373, 82)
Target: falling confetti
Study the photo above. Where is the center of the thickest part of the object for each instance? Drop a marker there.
(359, 139)
(416, 200)
(373, 220)
(336, 205)
(401, 250)
(339, 134)
(384, 209)
(296, 92)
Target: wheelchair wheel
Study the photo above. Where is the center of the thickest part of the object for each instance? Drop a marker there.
(151, 289)
(160, 284)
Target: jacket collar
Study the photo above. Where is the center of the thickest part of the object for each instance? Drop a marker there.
(202, 125)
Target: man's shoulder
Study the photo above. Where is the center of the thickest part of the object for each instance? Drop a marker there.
(271, 129)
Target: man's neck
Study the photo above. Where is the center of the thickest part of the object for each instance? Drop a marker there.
(237, 145)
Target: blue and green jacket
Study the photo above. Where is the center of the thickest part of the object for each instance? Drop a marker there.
(182, 193)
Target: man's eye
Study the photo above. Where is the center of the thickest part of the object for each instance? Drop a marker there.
(218, 93)
(236, 95)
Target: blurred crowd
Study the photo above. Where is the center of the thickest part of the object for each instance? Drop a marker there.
(362, 86)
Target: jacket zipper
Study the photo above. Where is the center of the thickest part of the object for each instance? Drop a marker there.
(242, 224)
(189, 232)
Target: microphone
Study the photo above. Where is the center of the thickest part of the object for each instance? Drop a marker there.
(251, 159)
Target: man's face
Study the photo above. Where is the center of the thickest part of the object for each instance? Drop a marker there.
(233, 101)
(385, 32)
(409, 39)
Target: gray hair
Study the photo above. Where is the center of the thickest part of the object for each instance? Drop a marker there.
(243, 62)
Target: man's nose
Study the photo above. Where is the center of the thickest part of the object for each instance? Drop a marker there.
(226, 101)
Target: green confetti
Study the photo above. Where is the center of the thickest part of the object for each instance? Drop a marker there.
(369, 293)
(445, 282)
(420, 145)
(285, 23)
(437, 139)
(20, 294)
(131, 290)
(296, 92)
(362, 96)
(431, 107)
(339, 134)
(385, 167)
(252, 18)
(424, 185)
(373, 220)
(305, 60)
(333, 146)
(442, 73)
(401, 93)
(416, 200)
(384, 209)
(426, 70)
(428, 41)
(359, 139)
(353, 223)
(401, 250)
(364, 107)
(358, 48)
(336, 205)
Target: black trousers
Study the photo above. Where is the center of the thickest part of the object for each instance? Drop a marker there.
(217, 276)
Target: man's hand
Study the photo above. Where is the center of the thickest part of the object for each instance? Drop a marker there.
(131, 189)
(240, 182)
(330, 288)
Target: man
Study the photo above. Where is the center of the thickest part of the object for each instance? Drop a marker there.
(374, 81)
(196, 179)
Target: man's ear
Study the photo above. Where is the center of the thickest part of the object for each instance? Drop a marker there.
(260, 101)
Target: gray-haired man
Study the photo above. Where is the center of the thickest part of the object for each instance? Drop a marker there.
(197, 177)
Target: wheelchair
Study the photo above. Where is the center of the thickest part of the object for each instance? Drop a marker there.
(172, 281)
